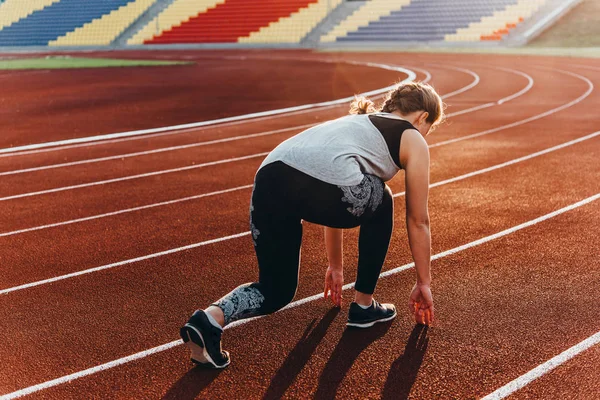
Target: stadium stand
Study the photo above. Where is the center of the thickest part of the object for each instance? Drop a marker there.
(12, 11)
(499, 24)
(307, 22)
(426, 20)
(293, 28)
(230, 20)
(102, 31)
(371, 11)
(178, 12)
(54, 20)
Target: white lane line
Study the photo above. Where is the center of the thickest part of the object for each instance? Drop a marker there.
(127, 210)
(253, 116)
(171, 148)
(126, 178)
(421, 70)
(254, 135)
(148, 136)
(114, 180)
(503, 100)
(155, 151)
(470, 110)
(433, 185)
(166, 346)
(530, 119)
(544, 368)
(521, 92)
(117, 264)
(470, 86)
(527, 88)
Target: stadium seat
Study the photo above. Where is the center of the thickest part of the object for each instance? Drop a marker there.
(53, 20)
(432, 20)
(230, 20)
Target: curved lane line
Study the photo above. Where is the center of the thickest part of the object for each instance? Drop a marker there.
(411, 77)
(241, 137)
(470, 86)
(521, 92)
(503, 100)
(530, 119)
(178, 131)
(166, 346)
(189, 167)
(204, 243)
(186, 146)
(20, 153)
(425, 72)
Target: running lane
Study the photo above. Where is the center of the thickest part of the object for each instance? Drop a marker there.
(139, 306)
(450, 81)
(65, 104)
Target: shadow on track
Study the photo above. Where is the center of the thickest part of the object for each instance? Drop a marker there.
(403, 372)
(351, 344)
(299, 356)
(189, 386)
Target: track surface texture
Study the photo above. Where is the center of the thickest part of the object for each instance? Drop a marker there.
(107, 247)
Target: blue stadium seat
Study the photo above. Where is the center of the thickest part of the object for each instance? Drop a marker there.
(55, 20)
(427, 20)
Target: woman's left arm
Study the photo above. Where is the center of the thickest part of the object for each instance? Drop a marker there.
(334, 277)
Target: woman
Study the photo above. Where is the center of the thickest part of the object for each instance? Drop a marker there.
(333, 174)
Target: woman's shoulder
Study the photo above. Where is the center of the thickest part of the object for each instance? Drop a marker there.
(413, 143)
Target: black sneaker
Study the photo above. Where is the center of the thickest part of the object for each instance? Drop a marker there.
(204, 340)
(361, 318)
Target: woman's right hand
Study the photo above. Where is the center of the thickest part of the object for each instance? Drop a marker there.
(420, 304)
(334, 282)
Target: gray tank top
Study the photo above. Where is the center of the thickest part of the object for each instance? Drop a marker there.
(339, 152)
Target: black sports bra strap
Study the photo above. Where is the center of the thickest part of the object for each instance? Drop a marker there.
(391, 129)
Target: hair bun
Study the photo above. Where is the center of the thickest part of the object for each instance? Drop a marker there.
(362, 105)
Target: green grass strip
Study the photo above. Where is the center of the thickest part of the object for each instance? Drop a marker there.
(61, 62)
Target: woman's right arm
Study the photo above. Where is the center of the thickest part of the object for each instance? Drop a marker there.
(415, 158)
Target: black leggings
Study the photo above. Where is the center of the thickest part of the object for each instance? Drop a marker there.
(282, 197)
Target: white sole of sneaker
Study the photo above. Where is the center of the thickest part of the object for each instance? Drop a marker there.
(370, 324)
(194, 340)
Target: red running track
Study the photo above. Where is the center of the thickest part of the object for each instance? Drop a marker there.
(503, 307)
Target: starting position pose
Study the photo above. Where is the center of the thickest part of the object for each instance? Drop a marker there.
(333, 175)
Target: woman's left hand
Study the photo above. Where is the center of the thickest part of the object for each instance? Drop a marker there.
(334, 280)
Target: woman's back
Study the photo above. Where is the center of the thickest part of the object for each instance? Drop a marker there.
(341, 151)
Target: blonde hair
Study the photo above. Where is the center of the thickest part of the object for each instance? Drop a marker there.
(407, 98)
